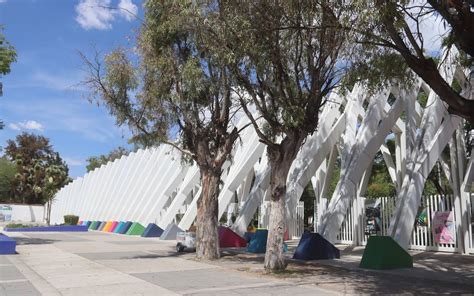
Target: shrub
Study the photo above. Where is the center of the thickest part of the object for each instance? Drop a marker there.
(16, 225)
(71, 219)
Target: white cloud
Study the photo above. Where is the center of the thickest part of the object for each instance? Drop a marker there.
(73, 161)
(99, 14)
(3, 1)
(27, 125)
(94, 14)
(128, 10)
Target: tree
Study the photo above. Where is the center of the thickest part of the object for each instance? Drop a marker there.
(33, 155)
(7, 176)
(7, 54)
(286, 56)
(55, 177)
(380, 184)
(7, 57)
(178, 84)
(392, 28)
(97, 161)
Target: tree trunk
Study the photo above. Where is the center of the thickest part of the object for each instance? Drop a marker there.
(207, 239)
(48, 213)
(274, 257)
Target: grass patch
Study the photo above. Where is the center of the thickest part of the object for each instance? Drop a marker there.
(19, 225)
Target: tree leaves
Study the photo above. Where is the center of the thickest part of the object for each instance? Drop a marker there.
(36, 162)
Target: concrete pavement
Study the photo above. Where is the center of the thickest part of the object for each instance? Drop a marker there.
(96, 263)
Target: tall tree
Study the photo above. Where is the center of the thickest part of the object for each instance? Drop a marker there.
(388, 28)
(97, 161)
(178, 85)
(7, 178)
(286, 56)
(32, 155)
(7, 57)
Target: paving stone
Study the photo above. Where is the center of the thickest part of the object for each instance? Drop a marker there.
(197, 279)
(161, 264)
(126, 289)
(115, 255)
(10, 272)
(4, 259)
(23, 288)
(138, 242)
(273, 289)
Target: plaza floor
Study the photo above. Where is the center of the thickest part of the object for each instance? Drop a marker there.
(96, 263)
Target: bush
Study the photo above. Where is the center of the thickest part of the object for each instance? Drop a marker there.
(16, 225)
(71, 219)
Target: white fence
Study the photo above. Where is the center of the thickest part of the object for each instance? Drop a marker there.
(295, 225)
(353, 227)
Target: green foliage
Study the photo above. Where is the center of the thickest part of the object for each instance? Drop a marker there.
(283, 55)
(7, 54)
(380, 183)
(377, 69)
(177, 84)
(7, 177)
(7, 57)
(334, 180)
(97, 161)
(19, 225)
(422, 98)
(40, 170)
(71, 219)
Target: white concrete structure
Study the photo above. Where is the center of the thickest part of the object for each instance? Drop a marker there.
(22, 213)
(153, 185)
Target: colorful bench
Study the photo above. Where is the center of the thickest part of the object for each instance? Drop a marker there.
(113, 226)
(125, 227)
(135, 229)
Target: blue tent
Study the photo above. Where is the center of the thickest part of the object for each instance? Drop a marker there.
(313, 246)
(258, 243)
(248, 236)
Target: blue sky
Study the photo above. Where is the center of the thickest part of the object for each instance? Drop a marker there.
(41, 94)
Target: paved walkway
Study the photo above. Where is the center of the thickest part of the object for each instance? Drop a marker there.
(96, 263)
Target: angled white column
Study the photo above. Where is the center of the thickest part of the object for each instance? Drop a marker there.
(436, 129)
(111, 184)
(160, 195)
(189, 182)
(245, 159)
(132, 198)
(370, 136)
(118, 192)
(122, 196)
(261, 183)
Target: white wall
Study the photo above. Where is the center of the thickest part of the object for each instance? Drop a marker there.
(26, 213)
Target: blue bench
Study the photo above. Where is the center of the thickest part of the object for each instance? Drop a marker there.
(7, 245)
